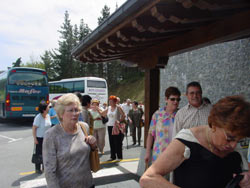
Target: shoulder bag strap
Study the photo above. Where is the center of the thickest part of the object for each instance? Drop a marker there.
(83, 129)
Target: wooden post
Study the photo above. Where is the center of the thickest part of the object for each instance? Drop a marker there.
(152, 89)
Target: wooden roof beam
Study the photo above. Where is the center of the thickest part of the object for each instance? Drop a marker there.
(230, 28)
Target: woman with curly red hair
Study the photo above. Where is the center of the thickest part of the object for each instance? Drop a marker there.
(205, 156)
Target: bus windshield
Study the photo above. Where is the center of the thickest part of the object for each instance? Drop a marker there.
(27, 79)
(96, 84)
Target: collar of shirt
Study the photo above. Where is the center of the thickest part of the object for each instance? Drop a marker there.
(166, 113)
(188, 106)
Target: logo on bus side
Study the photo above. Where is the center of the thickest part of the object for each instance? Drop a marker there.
(96, 90)
(26, 91)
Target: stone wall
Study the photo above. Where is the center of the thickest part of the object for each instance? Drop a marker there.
(222, 70)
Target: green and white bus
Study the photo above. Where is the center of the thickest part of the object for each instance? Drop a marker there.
(93, 86)
(21, 91)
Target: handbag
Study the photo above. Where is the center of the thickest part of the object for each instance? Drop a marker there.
(234, 183)
(105, 119)
(118, 128)
(36, 158)
(93, 156)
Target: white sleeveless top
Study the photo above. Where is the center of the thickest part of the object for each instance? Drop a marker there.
(112, 116)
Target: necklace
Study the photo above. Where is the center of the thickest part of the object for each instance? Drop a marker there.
(209, 141)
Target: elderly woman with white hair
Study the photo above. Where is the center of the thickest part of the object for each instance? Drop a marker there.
(66, 149)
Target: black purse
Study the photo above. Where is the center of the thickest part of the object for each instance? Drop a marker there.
(234, 183)
(105, 119)
(36, 158)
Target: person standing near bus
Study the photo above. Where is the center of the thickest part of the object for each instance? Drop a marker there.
(40, 125)
(87, 118)
(115, 117)
(99, 127)
(52, 114)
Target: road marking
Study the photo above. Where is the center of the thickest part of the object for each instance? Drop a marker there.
(104, 162)
(11, 139)
(33, 183)
(123, 160)
(42, 181)
(26, 173)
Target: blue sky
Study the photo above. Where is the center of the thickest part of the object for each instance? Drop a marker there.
(29, 27)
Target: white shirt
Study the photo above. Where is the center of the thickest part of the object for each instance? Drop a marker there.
(42, 124)
(189, 116)
(126, 109)
(112, 116)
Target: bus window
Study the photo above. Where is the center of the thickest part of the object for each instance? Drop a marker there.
(96, 84)
(52, 88)
(27, 79)
(68, 87)
(58, 88)
(79, 86)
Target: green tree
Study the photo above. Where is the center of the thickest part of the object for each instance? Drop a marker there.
(64, 63)
(105, 13)
(84, 30)
(80, 67)
(49, 65)
(103, 67)
(17, 63)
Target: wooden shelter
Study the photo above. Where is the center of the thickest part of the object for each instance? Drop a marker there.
(148, 32)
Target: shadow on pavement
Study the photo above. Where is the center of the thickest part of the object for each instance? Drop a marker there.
(25, 178)
(15, 124)
(126, 175)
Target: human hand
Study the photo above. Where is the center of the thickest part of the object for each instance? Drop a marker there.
(245, 182)
(147, 157)
(35, 141)
(91, 140)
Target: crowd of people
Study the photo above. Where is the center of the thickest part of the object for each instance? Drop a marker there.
(194, 146)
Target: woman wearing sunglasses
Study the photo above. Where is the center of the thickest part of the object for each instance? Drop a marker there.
(205, 156)
(161, 125)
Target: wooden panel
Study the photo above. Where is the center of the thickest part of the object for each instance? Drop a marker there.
(152, 88)
(230, 28)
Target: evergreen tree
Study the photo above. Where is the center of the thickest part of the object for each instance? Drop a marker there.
(103, 67)
(17, 63)
(49, 65)
(84, 30)
(62, 57)
(105, 13)
(81, 67)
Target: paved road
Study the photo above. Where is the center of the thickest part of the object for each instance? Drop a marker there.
(16, 145)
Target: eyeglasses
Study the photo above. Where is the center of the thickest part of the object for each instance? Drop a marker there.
(73, 110)
(229, 138)
(175, 99)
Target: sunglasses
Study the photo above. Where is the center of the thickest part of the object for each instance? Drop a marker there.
(175, 99)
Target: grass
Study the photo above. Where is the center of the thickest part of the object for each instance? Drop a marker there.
(132, 89)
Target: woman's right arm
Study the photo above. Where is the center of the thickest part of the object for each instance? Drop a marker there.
(34, 129)
(50, 160)
(102, 113)
(150, 140)
(169, 160)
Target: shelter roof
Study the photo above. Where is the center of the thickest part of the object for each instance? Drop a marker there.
(147, 32)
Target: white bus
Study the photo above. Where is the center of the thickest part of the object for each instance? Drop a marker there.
(95, 87)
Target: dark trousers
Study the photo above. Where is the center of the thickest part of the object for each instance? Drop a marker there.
(39, 150)
(115, 142)
(138, 134)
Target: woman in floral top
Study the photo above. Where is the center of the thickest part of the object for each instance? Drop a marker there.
(161, 125)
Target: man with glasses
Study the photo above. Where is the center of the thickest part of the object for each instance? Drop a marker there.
(195, 113)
